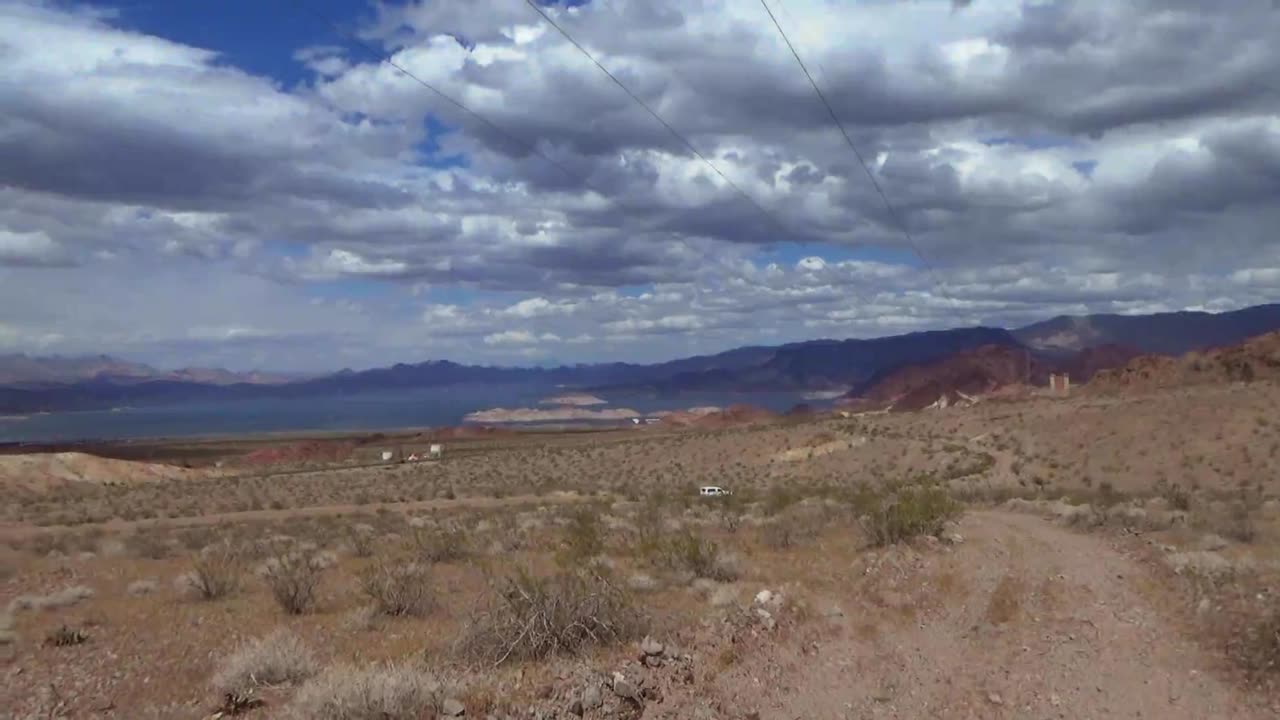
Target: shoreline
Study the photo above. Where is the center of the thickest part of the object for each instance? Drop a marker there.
(559, 414)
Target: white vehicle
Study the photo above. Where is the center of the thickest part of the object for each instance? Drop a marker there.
(712, 491)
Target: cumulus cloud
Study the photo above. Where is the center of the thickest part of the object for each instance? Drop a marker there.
(1047, 157)
(519, 337)
(31, 248)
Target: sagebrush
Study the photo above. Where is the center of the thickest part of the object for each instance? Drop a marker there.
(395, 692)
(530, 617)
(215, 573)
(910, 512)
(280, 657)
(294, 579)
(399, 588)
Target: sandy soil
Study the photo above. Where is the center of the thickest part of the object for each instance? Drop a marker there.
(1044, 623)
(826, 448)
(39, 471)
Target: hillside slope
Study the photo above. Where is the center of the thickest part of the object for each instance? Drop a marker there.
(1161, 333)
(978, 372)
(824, 364)
(1257, 358)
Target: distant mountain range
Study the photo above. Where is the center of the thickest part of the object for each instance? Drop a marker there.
(1079, 345)
(1172, 333)
(33, 371)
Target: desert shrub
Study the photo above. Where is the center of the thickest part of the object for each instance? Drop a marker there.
(293, 579)
(445, 543)
(1108, 496)
(1177, 496)
(530, 617)
(196, 538)
(779, 498)
(362, 539)
(399, 588)
(910, 512)
(1239, 524)
(66, 636)
(799, 524)
(690, 552)
(63, 598)
(1231, 519)
(365, 618)
(583, 538)
(280, 657)
(7, 634)
(731, 508)
(148, 545)
(371, 693)
(324, 559)
(215, 573)
(783, 534)
(138, 588)
(1254, 644)
(650, 534)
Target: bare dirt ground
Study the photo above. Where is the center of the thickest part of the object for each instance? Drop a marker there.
(39, 472)
(1049, 624)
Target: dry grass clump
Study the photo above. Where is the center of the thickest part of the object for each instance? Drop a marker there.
(796, 526)
(215, 573)
(362, 539)
(531, 617)
(293, 578)
(688, 551)
(63, 598)
(365, 618)
(66, 636)
(148, 545)
(344, 692)
(583, 538)
(1255, 645)
(7, 633)
(1239, 524)
(399, 588)
(146, 586)
(910, 512)
(280, 657)
(444, 543)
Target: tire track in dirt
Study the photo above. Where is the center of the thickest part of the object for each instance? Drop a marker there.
(1046, 624)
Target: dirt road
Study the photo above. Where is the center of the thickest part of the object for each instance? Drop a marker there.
(1041, 623)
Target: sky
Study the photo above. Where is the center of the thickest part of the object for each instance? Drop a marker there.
(251, 184)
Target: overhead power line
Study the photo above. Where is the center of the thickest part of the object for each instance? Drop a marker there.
(893, 212)
(524, 144)
(649, 109)
(528, 145)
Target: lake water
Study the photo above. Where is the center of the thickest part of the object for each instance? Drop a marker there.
(381, 410)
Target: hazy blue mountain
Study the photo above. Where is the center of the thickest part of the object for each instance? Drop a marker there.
(37, 384)
(1164, 333)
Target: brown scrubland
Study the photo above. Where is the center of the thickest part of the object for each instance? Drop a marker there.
(1108, 554)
